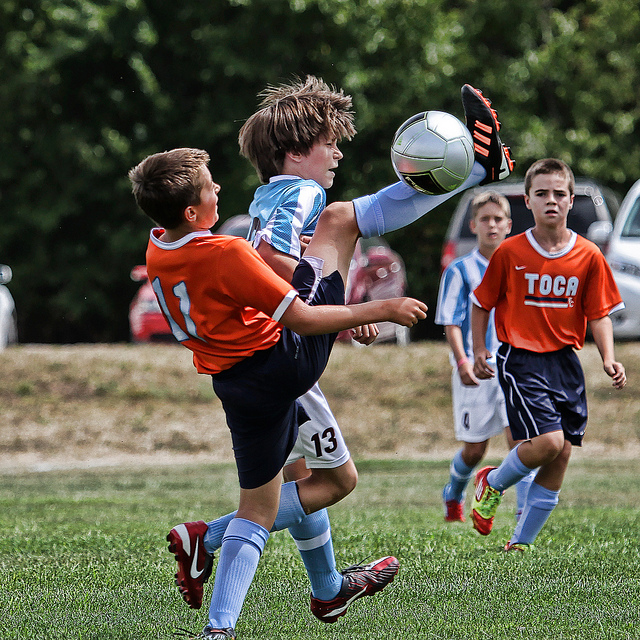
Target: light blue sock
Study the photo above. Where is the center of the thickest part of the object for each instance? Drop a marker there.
(540, 503)
(398, 205)
(522, 489)
(290, 512)
(459, 476)
(313, 539)
(509, 472)
(242, 546)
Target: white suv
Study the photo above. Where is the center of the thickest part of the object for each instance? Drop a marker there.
(623, 254)
(8, 324)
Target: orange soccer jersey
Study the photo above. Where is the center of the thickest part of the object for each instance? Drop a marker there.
(220, 298)
(543, 301)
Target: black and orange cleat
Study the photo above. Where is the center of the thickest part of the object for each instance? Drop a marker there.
(482, 122)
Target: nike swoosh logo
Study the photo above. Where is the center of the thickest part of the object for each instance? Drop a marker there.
(521, 268)
(347, 603)
(194, 563)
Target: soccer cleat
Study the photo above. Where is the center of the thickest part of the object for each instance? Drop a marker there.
(453, 510)
(523, 547)
(482, 122)
(359, 580)
(485, 503)
(186, 542)
(208, 633)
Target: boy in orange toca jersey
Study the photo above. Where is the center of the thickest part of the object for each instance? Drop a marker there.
(545, 284)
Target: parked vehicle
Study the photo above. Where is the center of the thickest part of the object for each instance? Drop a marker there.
(591, 215)
(376, 273)
(622, 248)
(8, 318)
(146, 322)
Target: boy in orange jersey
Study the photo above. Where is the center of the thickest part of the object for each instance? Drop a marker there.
(479, 408)
(264, 341)
(546, 285)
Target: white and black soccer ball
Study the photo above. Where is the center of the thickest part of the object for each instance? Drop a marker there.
(433, 152)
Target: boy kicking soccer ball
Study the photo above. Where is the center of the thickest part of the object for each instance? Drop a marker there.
(233, 323)
(545, 285)
(292, 142)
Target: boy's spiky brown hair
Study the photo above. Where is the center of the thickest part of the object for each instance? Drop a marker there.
(292, 117)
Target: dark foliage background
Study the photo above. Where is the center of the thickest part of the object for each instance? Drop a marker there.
(91, 87)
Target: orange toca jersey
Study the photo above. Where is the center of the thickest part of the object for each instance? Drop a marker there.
(220, 298)
(543, 301)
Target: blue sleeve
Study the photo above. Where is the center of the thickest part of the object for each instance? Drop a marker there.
(453, 298)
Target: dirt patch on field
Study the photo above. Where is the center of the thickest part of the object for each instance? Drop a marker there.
(107, 405)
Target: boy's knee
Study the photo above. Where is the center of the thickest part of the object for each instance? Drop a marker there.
(550, 445)
(341, 215)
(342, 481)
(473, 452)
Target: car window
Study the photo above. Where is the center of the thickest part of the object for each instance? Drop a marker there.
(580, 217)
(631, 227)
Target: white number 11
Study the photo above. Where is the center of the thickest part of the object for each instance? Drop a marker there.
(180, 292)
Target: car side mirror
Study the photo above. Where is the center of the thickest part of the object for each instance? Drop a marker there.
(5, 274)
(600, 232)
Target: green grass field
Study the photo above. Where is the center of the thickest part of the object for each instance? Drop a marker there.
(83, 555)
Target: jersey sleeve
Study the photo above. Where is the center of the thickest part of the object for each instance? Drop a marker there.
(294, 215)
(490, 289)
(452, 298)
(250, 282)
(601, 295)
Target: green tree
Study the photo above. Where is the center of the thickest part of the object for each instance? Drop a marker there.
(92, 86)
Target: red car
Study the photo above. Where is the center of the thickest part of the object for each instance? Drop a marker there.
(146, 322)
(376, 273)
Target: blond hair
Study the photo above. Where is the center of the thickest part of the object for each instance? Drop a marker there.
(490, 196)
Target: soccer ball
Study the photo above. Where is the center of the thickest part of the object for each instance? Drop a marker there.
(432, 152)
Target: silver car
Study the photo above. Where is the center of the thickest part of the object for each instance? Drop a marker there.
(591, 215)
(8, 323)
(623, 254)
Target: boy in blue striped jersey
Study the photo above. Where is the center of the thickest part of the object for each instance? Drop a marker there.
(292, 142)
(478, 408)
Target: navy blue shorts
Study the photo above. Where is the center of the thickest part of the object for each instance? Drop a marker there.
(544, 392)
(259, 395)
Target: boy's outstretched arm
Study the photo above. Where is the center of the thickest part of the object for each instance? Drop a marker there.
(602, 330)
(308, 320)
(479, 324)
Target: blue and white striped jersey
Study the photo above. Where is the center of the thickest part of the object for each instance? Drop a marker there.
(459, 279)
(285, 209)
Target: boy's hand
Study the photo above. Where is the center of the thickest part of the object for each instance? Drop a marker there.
(407, 311)
(481, 368)
(616, 371)
(365, 334)
(304, 243)
(466, 374)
